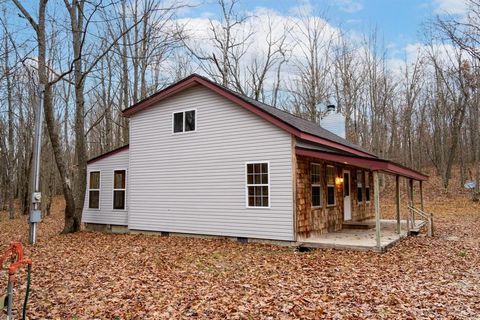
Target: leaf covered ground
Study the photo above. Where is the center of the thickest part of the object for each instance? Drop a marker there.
(105, 276)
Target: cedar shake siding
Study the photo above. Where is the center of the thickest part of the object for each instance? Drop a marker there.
(195, 182)
(312, 221)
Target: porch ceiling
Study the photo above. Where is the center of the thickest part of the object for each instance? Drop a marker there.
(363, 162)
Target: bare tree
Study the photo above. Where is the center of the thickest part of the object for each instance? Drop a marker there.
(448, 108)
(79, 20)
(230, 41)
(10, 147)
(312, 84)
(348, 83)
(464, 32)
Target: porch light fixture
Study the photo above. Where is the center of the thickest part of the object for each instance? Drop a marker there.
(338, 182)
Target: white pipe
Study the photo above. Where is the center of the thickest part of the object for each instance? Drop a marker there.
(37, 150)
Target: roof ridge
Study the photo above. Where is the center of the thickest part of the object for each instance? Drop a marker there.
(266, 104)
(247, 98)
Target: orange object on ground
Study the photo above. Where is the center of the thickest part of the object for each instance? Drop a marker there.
(15, 254)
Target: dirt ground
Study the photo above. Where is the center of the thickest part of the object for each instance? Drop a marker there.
(104, 276)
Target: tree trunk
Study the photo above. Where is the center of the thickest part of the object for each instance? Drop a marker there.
(10, 164)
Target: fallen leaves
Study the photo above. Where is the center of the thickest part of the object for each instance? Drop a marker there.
(106, 276)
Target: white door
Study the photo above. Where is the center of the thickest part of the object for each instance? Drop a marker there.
(347, 202)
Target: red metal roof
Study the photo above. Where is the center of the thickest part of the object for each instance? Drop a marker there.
(363, 162)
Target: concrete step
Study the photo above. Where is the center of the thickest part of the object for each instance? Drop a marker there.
(365, 225)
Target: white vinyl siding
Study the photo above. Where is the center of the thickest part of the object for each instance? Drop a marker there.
(195, 183)
(106, 214)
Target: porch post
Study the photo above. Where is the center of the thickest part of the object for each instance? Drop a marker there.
(397, 202)
(410, 183)
(421, 195)
(376, 196)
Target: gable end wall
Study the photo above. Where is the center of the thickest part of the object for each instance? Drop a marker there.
(195, 182)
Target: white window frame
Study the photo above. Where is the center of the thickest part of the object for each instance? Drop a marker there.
(315, 185)
(257, 185)
(360, 185)
(367, 186)
(99, 189)
(184, 119)
(114, 189)
(331, 185)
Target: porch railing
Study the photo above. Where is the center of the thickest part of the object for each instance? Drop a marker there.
(426, 216)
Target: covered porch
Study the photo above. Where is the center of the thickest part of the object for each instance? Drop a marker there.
(363, 238)
(365, 229)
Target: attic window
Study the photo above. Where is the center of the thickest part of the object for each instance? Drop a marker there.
(184, 121)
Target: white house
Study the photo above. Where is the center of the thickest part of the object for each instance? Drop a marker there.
(205, 160)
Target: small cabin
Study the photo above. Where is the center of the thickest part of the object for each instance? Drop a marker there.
(205, 160)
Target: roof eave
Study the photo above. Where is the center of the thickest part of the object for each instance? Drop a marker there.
(108, 154)
(366, 163)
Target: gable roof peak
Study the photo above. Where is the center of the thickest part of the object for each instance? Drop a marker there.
(299, 127)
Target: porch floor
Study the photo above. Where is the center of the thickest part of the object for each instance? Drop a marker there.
(360, 239)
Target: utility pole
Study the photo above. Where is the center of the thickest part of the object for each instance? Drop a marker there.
(35, 211)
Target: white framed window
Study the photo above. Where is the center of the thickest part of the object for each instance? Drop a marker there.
(119, 189)
(331, 193)
(316, 186)
(94, 190)
(360, 186)
(367, 187)
(258, 184)
(184, 121)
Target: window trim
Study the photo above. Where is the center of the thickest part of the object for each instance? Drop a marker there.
(259, 185)
(99, 188)
(113, 188)
(315, 185)
(362, 185)
(184, 119)
(331, 185)
(367, 174)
